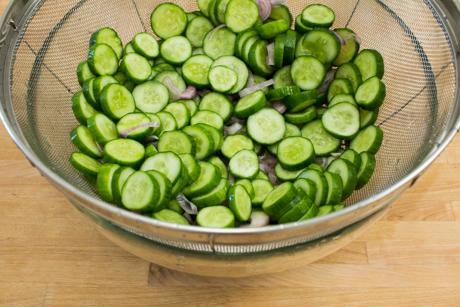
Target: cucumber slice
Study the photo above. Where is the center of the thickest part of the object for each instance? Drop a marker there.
(320, 183)
(349, 51)
(167, 163)
(371, 94)
(203, 140)
(351, 72)
(234, 143)
(241, 15)
(289, 46)
(222, 42)
(218, 103)
(102, 129)
(203, 5)
(369, 139)
(146, 45)
(370, 64)
(295, 153)
(259, 149)
(170, 216)
(352, 156)
(82, 139)
(222, 167)
(248, 186)
(326, 51)
(124, 152)
(342, 121)
(180, 112)
(104, 181)
(215, 197)
(151, 96)
(339, 86)
(132, 120)
(280, 93)
(212, 12)
(210, 177)
(240, 202)
(136, 68)
(84, 72)
(241, 39)
(307, 185)
(165, 189)
(102, 60)
(244, 164)
(176, 50)
(307, 72)
(107, 36)
(99, 84)
(154, 118)
(192, 166)
(323, 142)
(343, 98)
(279, 50)
(324, 210)
(168, 122)
(301, 117)
(120, 77)
(312, 212)
(335, 188)
(300, 27)
(181, 183)
(191, 106)
(292, 204)
(368, 117)
(81, 108)
(366, 169)
(216, 135)
(128, 49)
(250, 104)
(215, 217)
(175, 77)
(190, 17)
(348, 172)
(300, 101)
(291, 130)
(238, 67)
(222, 79)
(286, 175)
(279, 197)
(174, 206)
(272, 29)
(339, 207)
(261, 175)
(177, 142)
(266, 126)
(209, 118)
(281, 12)
(140, 192)
(195, 71)
(315, 167)
(247, 47)
(261, 188)
(282, 77)
(129, 85)
(258, 58)
(118, 180)
(318, 16)
(297, 212)
(150, 150)
(85, 164)
(117, 101)
(168, 20)
(197, 30)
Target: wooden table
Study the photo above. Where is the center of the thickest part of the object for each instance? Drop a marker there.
(49, 256)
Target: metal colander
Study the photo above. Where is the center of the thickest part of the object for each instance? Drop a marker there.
(42, 43)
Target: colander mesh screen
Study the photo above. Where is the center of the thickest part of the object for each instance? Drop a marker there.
(419, 76)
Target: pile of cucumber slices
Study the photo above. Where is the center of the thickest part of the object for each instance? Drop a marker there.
(230, 119)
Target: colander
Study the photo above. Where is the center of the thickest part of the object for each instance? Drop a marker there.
(42, 41)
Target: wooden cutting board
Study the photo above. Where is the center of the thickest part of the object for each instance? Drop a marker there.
(49, 256)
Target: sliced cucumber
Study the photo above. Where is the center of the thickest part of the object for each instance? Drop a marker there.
(368, 117)
(234, 143)
(282, 77)
(218, 162)
(286, 175)
(368, 139)
(167, 163)
(348, 172)
(321, 185)
(300, 101)
(261, 188)
(215, 217)
(84, 73)
(349, 50)
(181, 183)
(370, 64)
(117, 101)
(203, 140)
(241, 39)
(222, 42)
(180, 112)
(170, 216)
(323, 142)
(216, 135)
(282, 92)
(85, 164)
(339, 86)
(307, 72)
(82, 139)
(218, 103)
(335, 188)
(297, 212)
(307, 185)
(247, 185)
(244, 164)
(175, 206)
(312, 212)
(203, 6)
(136, 68)
(165, 189)
(342, 121)
(192, 166)
(318, 16)
(102, 129)
(326, 51)
(371, 94)
(107, 36)
(102, 60)
(289, 46)
(240, 202)
(132, 120)
(279, 197)
(342, 98)
(151, 96)
(222, 79)
(366, 169)
(215, 197)
(295, 153)
(146, 45)
(191, 106)
(210, 177)
(281, 12)
(99, 84)
(258, 58)
(250, 104)
(324, 210)
(104, 181)
(177, 142)
(298, 199)
(168, 20)
(238, 67)
(176, 50)
(175, 78)
(266, 126)
(351, 72)
(272, 29)
(300, 27)
(315, 167)
(352, 156)
(197, 30)
(247, 47)
(81, 108)
(279, 50)
(209, 118)
(118, 181)
(262, 175)
(124, 152)
(140, 192)
(241, 15)
(168, 122)
(301, 117)
(195, 71)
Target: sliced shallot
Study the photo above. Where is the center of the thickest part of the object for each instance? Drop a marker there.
(279, 106)
(124, 133)
(189, 93)
(341, 39)
(356, 38)
(250, 79)
(233, 120)
(265, 9)
(215, 29)
(278, 2)
(188, 217)
(271, 54)
(186, 204)
(233, 129)
(254, 88)
(259, 219)
(231, 179)
(327, 80)
(174, 91)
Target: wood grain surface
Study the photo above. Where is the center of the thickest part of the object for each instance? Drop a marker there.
(50, 257)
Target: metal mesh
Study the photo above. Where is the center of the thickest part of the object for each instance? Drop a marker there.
(419, 75)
